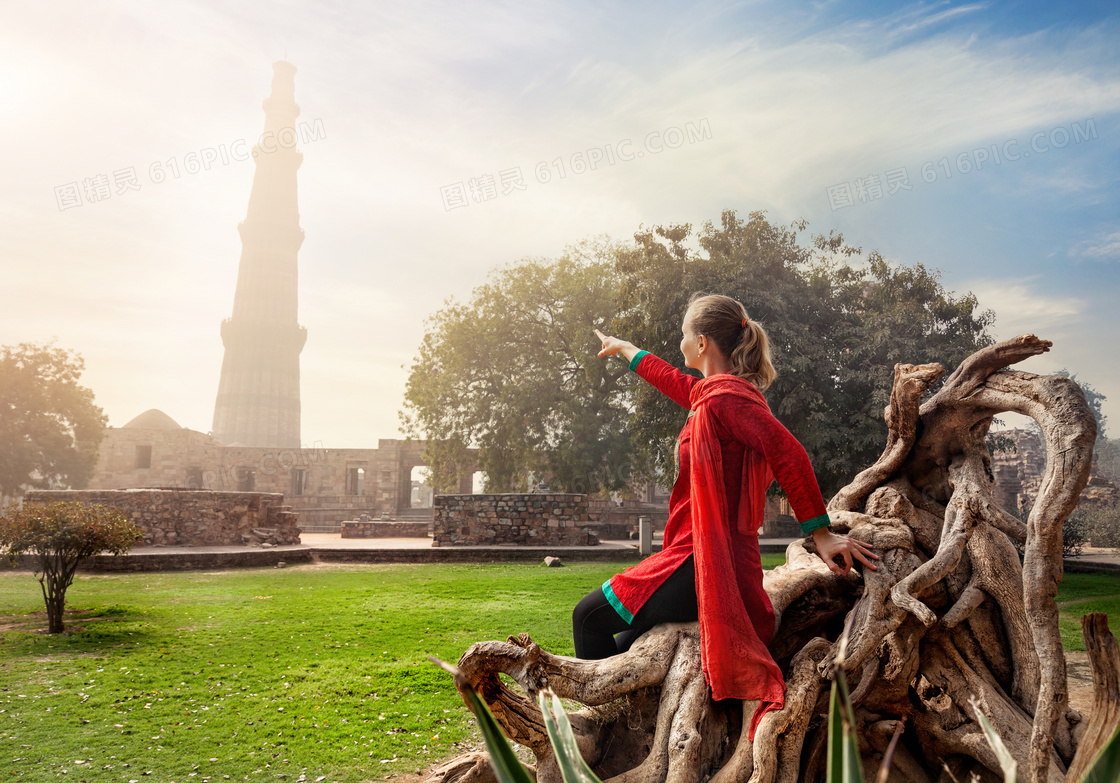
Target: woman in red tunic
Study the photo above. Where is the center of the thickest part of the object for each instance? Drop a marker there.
(729, 451)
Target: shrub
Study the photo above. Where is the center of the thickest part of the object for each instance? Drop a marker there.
(1075, 533)
(1099, 521)
(60, 535)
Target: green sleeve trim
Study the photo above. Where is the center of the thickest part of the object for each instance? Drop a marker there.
(809, 525)
(623, 612)
(634, 368)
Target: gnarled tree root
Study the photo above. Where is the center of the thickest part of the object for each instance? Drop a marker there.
(950, 616)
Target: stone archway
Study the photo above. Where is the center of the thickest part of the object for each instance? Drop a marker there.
(411, 457)
(421, 494)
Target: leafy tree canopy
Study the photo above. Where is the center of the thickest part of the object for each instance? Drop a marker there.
(515, 373)
(838, 321)
(50, 427)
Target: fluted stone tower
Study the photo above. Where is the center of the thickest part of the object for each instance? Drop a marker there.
(258, 396)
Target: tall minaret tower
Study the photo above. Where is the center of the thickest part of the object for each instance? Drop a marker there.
(258, 396)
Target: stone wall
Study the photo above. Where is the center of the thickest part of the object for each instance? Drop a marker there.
(177, 517)
(355, 528)
(607, 520)
(518, 520)
(611, 521)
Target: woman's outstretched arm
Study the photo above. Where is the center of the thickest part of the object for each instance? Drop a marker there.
(663, 376)
(613, 345)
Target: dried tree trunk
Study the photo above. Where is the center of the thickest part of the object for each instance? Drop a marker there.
(1104, 660)
(950, 616)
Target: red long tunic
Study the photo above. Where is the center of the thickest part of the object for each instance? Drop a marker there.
(745, 430)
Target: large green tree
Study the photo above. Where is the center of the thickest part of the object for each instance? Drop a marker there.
(50, 428)
(838, 321)
(513, 373)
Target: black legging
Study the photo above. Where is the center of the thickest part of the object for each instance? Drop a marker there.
(600, 632)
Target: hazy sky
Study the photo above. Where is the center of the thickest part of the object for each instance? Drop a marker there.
(811, 111)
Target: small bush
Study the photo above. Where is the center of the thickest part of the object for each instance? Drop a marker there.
(1074, 536)
(1099, 523)
(61, 535)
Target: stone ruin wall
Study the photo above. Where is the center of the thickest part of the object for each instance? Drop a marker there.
(1018, 474)
(326, 496)
(514, 520)
(174, 517)
(613, 521)
(373, 528)
(558, 519)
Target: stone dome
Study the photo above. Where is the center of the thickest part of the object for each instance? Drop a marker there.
(153, 419)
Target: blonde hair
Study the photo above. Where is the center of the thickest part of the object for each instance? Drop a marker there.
(724, 321)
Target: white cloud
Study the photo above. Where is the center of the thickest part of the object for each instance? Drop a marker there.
(1020, 309)
(1103, 248)
(921, 17)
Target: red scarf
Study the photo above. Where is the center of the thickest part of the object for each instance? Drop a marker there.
(735, 659)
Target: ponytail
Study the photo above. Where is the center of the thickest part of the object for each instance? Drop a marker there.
(743, 341)
(751, 358)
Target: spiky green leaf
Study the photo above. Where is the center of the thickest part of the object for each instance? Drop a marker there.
(573, 768)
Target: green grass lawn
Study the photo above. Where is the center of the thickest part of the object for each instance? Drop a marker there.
(260, 674)
(1081, 594)
(270, 674)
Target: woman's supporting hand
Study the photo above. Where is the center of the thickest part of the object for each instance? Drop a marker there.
(612, 345)
(830, 544)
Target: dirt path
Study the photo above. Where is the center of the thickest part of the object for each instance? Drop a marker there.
(1079, 679)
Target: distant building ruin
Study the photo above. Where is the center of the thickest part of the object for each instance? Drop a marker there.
(1018, 474)
(326, 486)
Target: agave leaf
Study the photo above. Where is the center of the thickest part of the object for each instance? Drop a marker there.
(848, 713)
(1006, 760)
(835, 764)
(507, 767)
(572, 766)
(844, 764)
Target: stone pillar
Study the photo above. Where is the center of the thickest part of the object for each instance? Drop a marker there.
(466, 483)
(404, 487)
